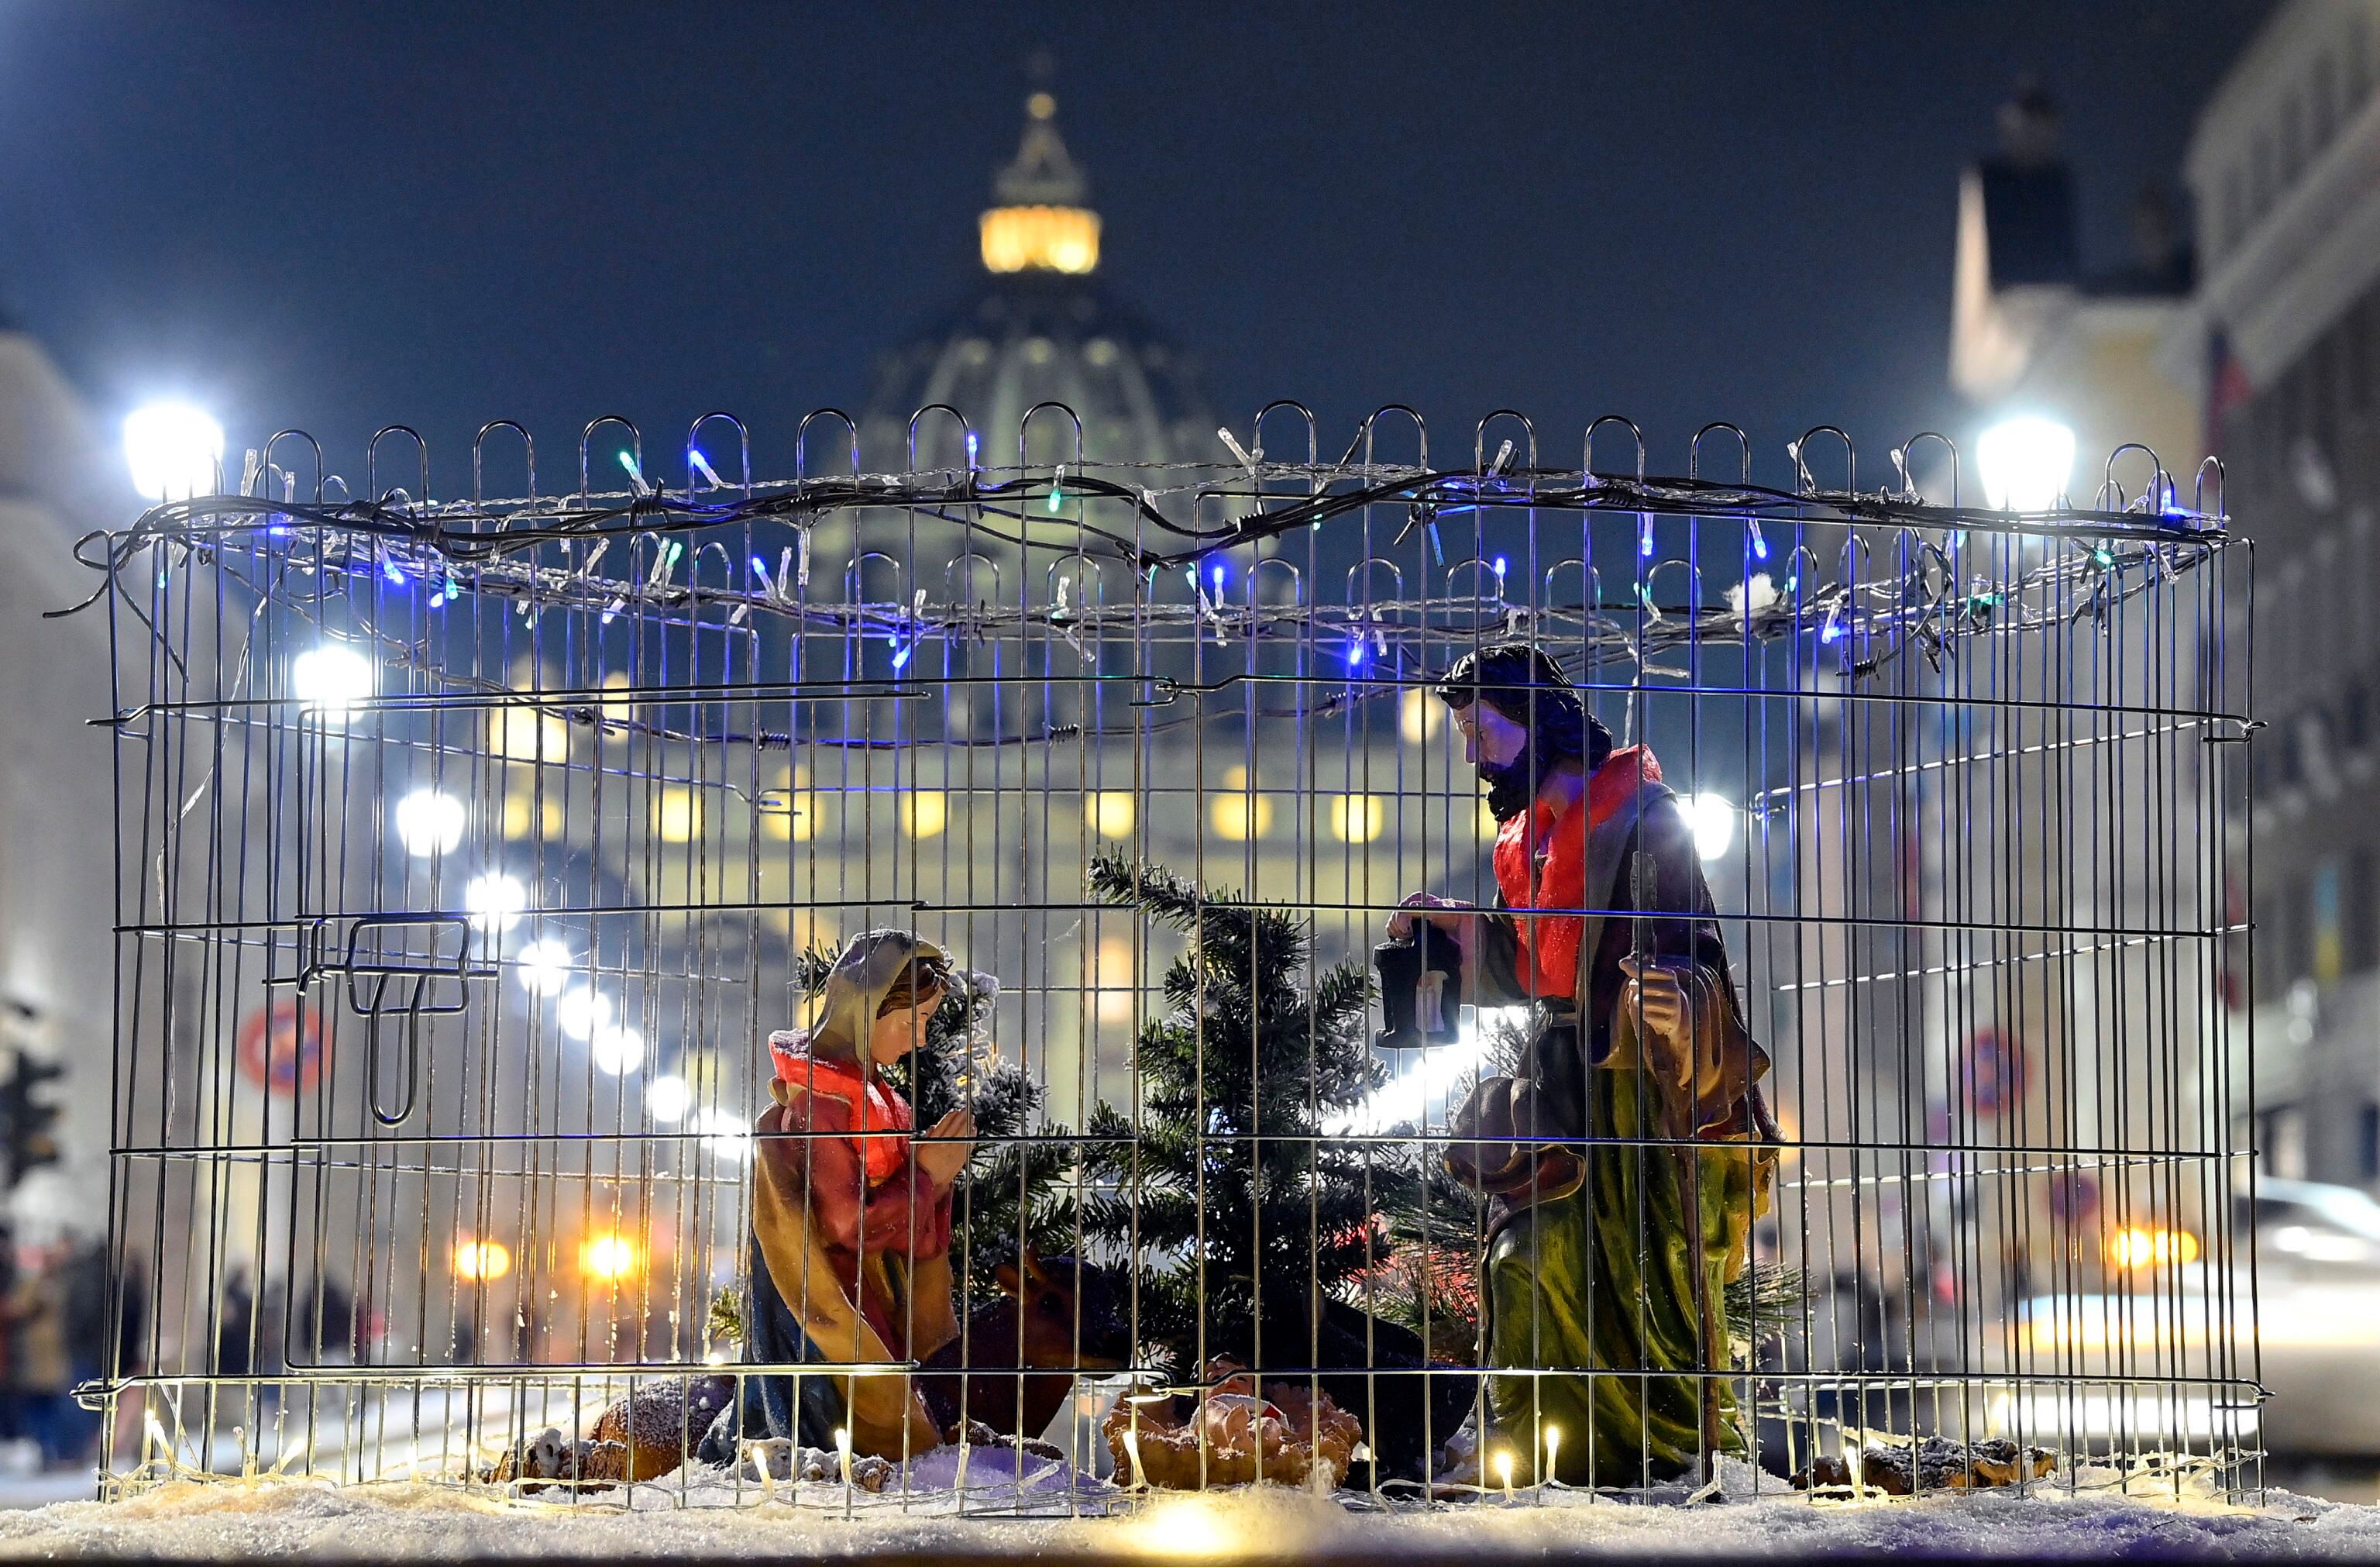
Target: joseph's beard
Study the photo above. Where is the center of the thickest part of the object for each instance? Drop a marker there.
(1511, 786)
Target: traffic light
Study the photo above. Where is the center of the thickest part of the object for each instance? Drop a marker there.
(28, 1119)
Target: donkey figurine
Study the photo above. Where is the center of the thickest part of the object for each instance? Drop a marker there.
(1014, 1361)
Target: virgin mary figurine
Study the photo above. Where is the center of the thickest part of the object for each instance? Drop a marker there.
(851, 1209)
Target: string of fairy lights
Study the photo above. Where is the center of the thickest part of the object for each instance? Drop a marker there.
(1936, 593)
(642, 553)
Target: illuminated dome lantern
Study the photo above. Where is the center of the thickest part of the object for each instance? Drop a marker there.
(1041, 327)
(1041, 224)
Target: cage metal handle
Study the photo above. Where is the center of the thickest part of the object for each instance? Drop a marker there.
(372, 1015)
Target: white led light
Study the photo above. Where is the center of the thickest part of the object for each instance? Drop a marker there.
(1713, 819)
(429, 821)
(616, 1048)
(545, 966)
(494, 900)
(2026, 463)
(668, 1098)
(330, 678)
(581, 1012)
(172, 450)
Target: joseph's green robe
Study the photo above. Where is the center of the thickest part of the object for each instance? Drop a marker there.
(1595, 1277)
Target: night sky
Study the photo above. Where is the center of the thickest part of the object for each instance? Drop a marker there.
(338, 217)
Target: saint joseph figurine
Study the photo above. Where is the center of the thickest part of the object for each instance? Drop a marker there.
(1627, 1157)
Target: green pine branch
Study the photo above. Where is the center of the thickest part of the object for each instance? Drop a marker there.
(1230, 1196)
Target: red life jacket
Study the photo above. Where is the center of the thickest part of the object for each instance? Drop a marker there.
(875, 1107)
(1546, 964)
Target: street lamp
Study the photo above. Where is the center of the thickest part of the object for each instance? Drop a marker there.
(430, 822)
(544, 967)
(668, 1098)
(582, 1011)
(172, 450)
(494, 900)
(1712, 816)
(2026, 462)
(727, 1135)
(482, 1259)
(609, 1256)
(329, 679)
(616, 1048)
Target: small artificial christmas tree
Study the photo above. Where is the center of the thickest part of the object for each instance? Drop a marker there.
(1255, 1230)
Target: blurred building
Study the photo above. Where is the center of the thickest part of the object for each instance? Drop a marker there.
(1293, 817)
(57, 824)
(2283, 335)
(2034, 332)
(2061, 358)
(1040, 326)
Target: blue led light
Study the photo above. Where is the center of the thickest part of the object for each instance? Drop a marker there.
(389, 569)
(759, 567)
(971, 446)
(1355, 651)
(1759, 544)
(900, 654)
(1644, 538)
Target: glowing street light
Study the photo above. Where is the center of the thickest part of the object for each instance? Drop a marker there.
(172, 450)
(544, 967)
(1713, 819)
(668, 1098)
(2025, 462)
(330, 678)
(482, 1259)
(494, 900)
(612, 1256)
(581, 1012)
(727, 1135)
(616, 1048)
(429, 821)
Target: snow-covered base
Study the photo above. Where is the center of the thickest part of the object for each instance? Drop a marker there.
(705, 1514)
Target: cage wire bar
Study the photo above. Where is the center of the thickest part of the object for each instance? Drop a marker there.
(470, 851)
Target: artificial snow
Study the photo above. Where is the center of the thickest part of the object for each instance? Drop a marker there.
(701, 1512)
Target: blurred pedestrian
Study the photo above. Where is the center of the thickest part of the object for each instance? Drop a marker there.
(43, 1363)
(236, 1327)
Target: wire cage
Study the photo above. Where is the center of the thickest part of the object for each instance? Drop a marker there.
(473, 851)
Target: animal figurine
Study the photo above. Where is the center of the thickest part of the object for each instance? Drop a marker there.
(1286, 1434)
(642, 1437)
(1032, 1328)
(660, 1423)
(550, 1460)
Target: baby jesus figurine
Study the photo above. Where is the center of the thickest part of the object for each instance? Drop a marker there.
(851, 1209)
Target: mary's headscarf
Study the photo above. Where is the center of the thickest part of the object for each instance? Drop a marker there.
(856, 988)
